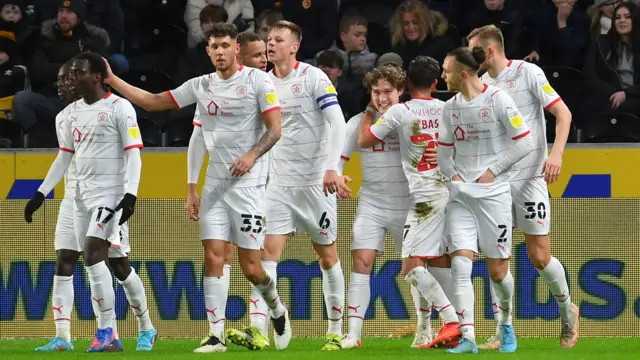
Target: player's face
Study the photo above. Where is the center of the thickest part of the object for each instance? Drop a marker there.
(476, 42)
(255, 55)
(63, 85)
(222, 52)
(383, 95)
(451, 75)
(623, 22)
(81, 80)
(281, 45)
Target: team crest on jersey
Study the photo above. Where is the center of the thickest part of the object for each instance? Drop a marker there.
(102, 118)
(459, 133)
(296, 89)
(241, 91)
(485, 114)
(511, 84)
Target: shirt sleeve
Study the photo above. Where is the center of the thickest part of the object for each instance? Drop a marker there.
(323, 90)
(66, 138)
(539, 85)
(196, 118)
(266, 92)
(509, 115)
(128, 126)
(185, 94)
(388, 122)
(445, 136)
(351, 137)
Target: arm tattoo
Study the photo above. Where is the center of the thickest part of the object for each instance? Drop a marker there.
(265, 143)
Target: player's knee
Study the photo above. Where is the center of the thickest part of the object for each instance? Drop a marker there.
(499, 271)
(252, 270)
(327, 255)
(362, 264)
(120, 267)
(228, 254)
(539, 252)
(66, 262)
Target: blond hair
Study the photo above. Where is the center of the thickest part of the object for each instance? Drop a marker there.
(419, 10)
(294, 29)
(487, 33)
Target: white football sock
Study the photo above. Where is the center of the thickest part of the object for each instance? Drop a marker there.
(555, 278)
(114, 326)
(359, 297)
(137, 298)
(443, 275)
(423, 310)
(429, 288)
(215, 302)
(102, 293)
(494, 308)
(258, 309)
(504, 295)
(270, 295)
(464, 298)
(62, 305)
(271, 267)
(333, 290)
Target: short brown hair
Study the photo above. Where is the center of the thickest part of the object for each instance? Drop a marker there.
(487, 33)
(391, 73)
(270, 16)
(294, 29)
(213, 14)
(350, 20)
(247, 37)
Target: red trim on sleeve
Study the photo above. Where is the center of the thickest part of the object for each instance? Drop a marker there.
(197, 124)
(552, 103)
(137, 146)
(67, 150)
(106, 96)
(174, 100)
(521, 135)
(374, 135)
(344, 158)
(444, 143)
(270, 110)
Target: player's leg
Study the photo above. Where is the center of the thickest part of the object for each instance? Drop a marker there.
(67, 254)
(461, 238)
(493, 343)
(494, 215)
(440, 268)
(247, 204)
(532, 216)
(367, 240)
(318, 216)
(424, 228)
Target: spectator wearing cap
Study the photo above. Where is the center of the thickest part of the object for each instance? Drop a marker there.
(239, 12)
(351, 95)
(60, 40)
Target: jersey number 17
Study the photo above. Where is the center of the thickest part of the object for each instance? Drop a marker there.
(423, 164)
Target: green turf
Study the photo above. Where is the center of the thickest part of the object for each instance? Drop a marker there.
(539, 349)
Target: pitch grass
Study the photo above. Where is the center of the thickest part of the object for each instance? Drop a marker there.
(302, 349)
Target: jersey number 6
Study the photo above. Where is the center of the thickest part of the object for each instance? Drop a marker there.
(424, 165)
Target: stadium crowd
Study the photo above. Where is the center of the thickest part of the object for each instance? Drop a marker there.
(586, 48)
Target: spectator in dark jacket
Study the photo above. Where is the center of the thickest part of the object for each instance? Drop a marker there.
(11, 11)
(318, 20)
(612, 67)
(61, 39)
(564, 34)
(13, 78)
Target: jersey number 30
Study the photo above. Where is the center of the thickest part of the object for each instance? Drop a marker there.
(424, 165)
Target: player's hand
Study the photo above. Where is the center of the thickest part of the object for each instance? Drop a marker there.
(33, 205)
(127, 205)
(457, 178)
(192, 205)
(532, 57)
(617, 99)
(486, 178)
(242, 165)
(431, 155)
(552, 168)
(107, 79)
(331, 182)
(344, 191)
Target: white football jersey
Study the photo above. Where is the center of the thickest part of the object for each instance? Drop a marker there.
(302, 155)
(481, 130)
(383, 181)
(529, 88)
(417, 123)
(70, 178)
(98, 135)
(230, 114)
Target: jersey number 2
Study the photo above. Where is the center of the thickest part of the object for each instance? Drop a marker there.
(424, 165)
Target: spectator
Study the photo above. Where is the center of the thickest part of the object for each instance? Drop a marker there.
(13, 76)
(318, 20)
(351, 96)
(60, 40)
(416, 30)
(613, 66)
(601, 15)
(355, 53)
(25, 34)
(240, 13)
(265, 21)
(195, 61)
(509, 19)
(564, 34)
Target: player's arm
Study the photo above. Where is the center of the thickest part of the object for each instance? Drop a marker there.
(132, 142)
(327, 99)
(366, 138)
(167, 100)
(350, 141)
(552, 102)
(195, 157)
(508, 114)
(446, 146)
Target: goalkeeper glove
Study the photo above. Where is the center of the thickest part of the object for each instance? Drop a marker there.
(127, 205)
(33, 205)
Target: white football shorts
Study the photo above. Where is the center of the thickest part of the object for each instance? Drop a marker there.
(531, 210)
(372, 224)
(94, 217)
(423, 229)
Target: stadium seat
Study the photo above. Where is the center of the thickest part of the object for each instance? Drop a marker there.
(156, 47)
(443, 95)
(569, 84)
(612, 127)
(454, 34)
